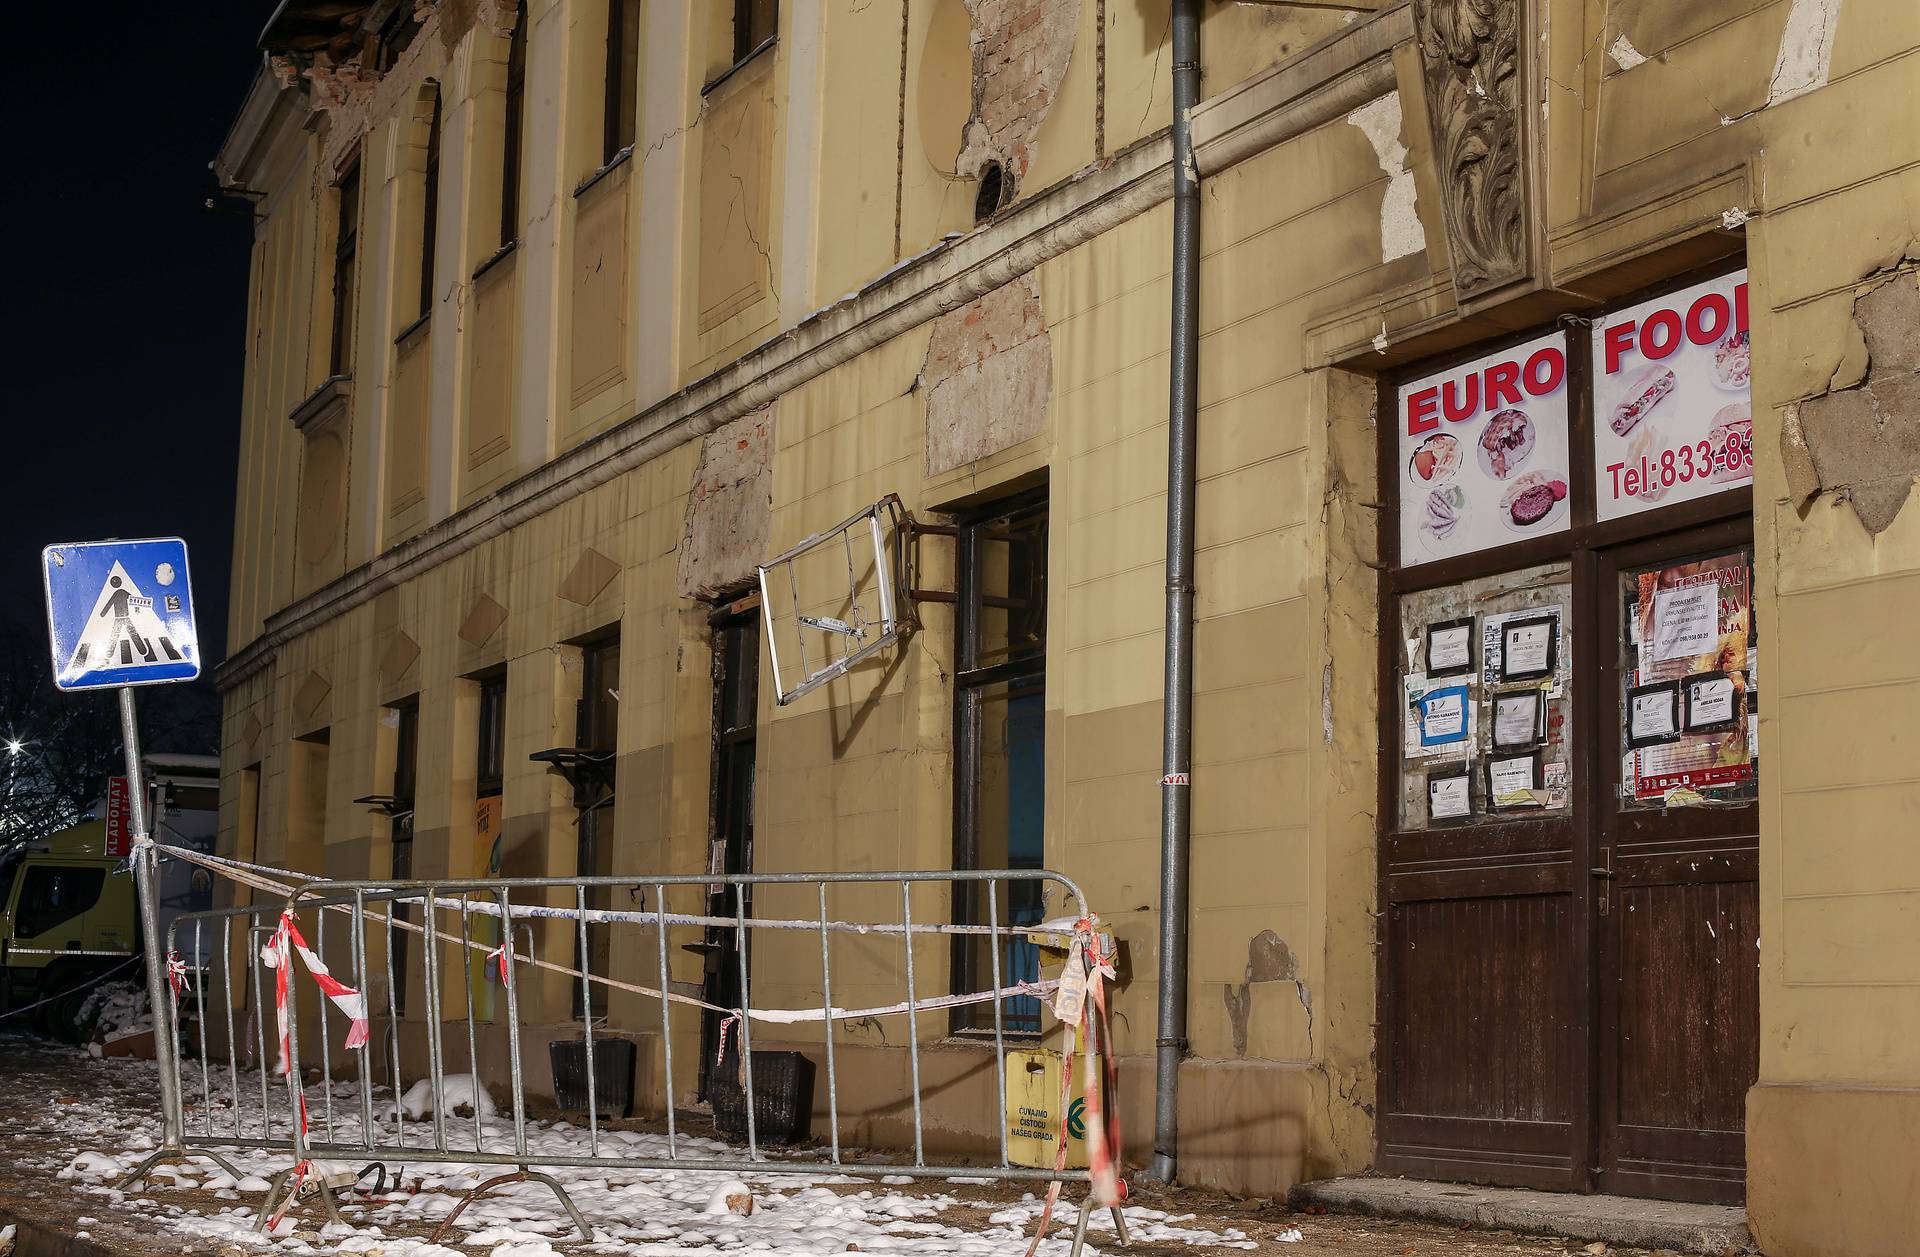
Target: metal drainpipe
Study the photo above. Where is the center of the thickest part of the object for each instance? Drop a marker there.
(1177, 734)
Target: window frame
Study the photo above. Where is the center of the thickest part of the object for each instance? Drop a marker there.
(490, 735)
(346, 257)
(406, 781)
(512, 139)
(622, 80)
(745, 40)
(430, 208)
(972, 679)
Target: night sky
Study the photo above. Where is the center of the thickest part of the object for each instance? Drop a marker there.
(123, 372)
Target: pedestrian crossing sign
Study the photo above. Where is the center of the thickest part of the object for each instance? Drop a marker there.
(120, 613)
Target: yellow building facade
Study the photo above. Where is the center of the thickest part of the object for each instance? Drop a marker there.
(564, 314)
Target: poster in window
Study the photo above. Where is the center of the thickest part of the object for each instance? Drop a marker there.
(1449, 794)
(1443, 716)
(1450, 648)
(1700, 760)
(1712, 703)
(1483, 452)
(1672, 407)
(1517, 719)
(1529, 647)
(1513, 781)
(1653, 714)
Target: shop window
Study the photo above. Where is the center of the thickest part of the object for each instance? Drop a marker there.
(1000, 745)
(346, 244)
(622, 86)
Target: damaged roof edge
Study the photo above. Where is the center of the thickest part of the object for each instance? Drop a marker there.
(235, 163)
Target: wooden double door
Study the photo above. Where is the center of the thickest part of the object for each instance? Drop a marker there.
(1569, 991)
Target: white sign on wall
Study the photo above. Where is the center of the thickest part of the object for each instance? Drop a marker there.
(1483, 452)
(1672, 413)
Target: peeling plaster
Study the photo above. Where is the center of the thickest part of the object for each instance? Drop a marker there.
(1862, 442)
(988, 376)
(1624, 54)
(1269, 959)
(728, 508)
(1021, 50)
(1400, 230)
(1806, 49)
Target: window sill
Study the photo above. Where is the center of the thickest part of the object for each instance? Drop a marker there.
(498, 256)
(614, 163)
(406, 333)
(321, 404)
(714, 84)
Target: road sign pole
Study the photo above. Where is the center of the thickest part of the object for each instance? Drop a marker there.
(146, 869)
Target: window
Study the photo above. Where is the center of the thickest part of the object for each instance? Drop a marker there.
(623, 57)
(52, 895)
(512, 139)
(346, 242)
(599, 719)
(754, 23)
(736, 677)
(406, 755)
(999, 739)
(430, 209)
(490, 752)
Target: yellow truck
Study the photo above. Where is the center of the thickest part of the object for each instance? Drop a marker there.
(68, 915)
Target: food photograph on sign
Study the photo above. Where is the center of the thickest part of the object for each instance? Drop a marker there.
(1672, 406)
(1483, 452)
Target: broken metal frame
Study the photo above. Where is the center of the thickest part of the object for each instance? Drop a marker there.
(871, 638)
(495, 899)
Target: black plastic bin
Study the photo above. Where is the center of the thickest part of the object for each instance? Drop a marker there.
(782, 1097)
(612, 1075)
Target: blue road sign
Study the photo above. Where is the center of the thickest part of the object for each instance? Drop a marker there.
(120, 613)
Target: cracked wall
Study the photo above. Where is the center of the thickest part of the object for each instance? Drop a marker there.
(727, 508)
(988, 376)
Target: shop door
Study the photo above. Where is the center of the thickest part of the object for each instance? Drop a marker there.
(1675, 835)
(1568, 964)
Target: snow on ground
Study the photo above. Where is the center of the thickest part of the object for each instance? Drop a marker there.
(633, 1212)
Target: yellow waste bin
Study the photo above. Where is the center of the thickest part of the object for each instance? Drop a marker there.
(1033, 1109)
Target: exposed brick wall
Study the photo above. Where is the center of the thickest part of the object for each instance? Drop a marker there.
(1021, 49)
(988, 376)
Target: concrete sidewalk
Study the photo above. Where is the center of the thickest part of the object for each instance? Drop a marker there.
(1613, 1220)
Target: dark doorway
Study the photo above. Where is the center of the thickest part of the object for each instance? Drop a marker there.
(736, 685)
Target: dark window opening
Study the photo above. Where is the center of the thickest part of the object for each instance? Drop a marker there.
(754, 23)
(490, 750)
(623, 58)
(346, 245)
(396, 36)
(406, 756)
(50, 896)
(987, 201)
(430, 209)
(511, 138)
(999, 739)
(736, 680)
(598, 730)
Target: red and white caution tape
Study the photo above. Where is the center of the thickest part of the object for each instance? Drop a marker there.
(176, 974)
(274, 954)
(1081, 994)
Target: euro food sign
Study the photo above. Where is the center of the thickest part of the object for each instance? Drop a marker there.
(120, 613)
(1673, 416)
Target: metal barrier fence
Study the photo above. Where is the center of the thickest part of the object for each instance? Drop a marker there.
(570, 957)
